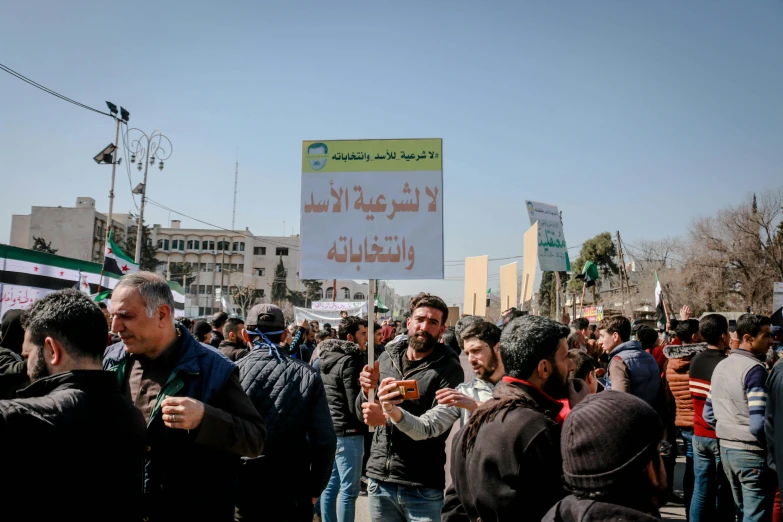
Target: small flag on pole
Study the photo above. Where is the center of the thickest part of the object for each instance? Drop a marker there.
(659, 302)
(589, 274)
(116, 261)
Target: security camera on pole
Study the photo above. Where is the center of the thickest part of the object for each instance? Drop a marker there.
(147, 149)
(106, 156)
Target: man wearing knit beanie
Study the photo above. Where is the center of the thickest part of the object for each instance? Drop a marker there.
(613, 470)
(505, 462)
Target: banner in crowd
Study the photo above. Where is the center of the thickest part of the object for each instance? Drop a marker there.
(594, 314)
(335, 305)
(328, 316)
(552, 251)
(26, 276)
(372, 209)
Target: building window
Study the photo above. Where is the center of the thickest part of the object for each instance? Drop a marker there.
(358, 296)
(178, 244)
(320, 293)
(209, 289)
(190, 244)
(280, 251)
(241, 246)
(241, 268)
(209, 267)
(202, 289)
(193, 289)
(260, 272)
(235, 246)
(346, 293)
(259, 251)
(196, 244)
(261, 293)
(209, 245)
(329, 292)
(218, 267)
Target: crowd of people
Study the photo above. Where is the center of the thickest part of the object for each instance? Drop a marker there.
(126, 413)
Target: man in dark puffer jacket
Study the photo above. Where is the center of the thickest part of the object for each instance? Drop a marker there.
(300, 443)
(341, 363)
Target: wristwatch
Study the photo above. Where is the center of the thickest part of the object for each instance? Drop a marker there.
(387, 410)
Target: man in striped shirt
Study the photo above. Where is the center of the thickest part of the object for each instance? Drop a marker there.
(736, 406)
(712, 498)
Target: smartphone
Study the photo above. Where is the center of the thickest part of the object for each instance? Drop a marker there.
(408, 389)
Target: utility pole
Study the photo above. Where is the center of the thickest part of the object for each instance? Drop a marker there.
(236, 175)
(624, 285)
(223, 271)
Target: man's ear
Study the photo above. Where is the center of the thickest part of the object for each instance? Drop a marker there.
(656, 472)
(162, 313)
(54, 353)
(442, 329)
(544, 369)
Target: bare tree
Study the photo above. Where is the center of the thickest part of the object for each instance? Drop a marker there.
(244, 295)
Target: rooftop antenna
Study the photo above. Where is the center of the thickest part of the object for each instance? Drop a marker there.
(236, 175)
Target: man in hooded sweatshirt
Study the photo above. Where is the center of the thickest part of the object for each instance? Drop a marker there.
(341, 363)
(631, 369)
(613, 470)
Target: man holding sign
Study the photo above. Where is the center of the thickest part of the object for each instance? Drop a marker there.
(406, 476)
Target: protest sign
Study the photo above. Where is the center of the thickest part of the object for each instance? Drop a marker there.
(372, 209)
(475, 302)
(552, 252)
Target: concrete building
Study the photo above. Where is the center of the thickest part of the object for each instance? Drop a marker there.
(211, 264)
(78, 232)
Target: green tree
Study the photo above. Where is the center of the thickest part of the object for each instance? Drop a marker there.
(546, 294)
(279, 288)
(180, 272)
(313, 290)
(148, 261)
(296, 298)
(40, 245)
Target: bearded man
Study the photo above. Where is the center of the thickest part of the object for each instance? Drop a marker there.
(506, 462)
(406, 475)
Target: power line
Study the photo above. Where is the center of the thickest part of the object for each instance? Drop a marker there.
(259, 238)
(49, 91)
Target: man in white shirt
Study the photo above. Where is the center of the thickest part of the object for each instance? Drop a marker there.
(481, 343)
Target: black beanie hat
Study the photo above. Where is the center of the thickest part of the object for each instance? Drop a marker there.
(607, 438)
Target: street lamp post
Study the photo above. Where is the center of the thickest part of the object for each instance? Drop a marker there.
(147, 149)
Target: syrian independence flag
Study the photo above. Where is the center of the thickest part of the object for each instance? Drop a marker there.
(26, 276)
(116, 261)
(659, 301)
(589, 274)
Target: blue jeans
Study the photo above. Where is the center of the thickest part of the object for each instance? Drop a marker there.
(345, 480)
(712, 498)
(752, 483)
(687, 478)
(395, 503)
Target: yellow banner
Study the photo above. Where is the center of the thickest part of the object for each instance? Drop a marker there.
(372, 155)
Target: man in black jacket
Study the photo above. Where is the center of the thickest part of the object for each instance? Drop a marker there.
(218, 321)
(506, 463)
(300, 445)
(13, 370)
(407, 477)
(73, 440)
(341, 362)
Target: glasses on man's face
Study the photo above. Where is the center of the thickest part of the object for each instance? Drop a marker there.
(665, 449)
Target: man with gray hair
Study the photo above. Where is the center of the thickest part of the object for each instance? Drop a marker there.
(199, 420)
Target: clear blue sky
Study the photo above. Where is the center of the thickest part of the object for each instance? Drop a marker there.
(637, 116)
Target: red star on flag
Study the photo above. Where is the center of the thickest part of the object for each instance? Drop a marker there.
(125, 268)
(86, 285)
(110, 251)
(62, 273)
(35, 269)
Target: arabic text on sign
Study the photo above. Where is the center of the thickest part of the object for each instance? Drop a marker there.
(362, 253)
(376, 204)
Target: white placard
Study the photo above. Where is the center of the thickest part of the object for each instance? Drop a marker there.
(552, 250)
(368, 214)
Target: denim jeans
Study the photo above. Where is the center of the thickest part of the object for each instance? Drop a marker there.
(395, 503)
(752, 483)
(712, 498)
(345, 480)
(687, 478)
